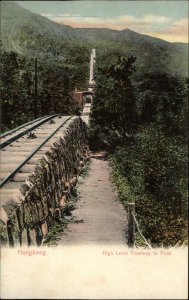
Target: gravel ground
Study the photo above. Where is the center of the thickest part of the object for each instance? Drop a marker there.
(99, 218)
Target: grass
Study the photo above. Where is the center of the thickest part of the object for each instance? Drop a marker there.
(55, 230)
(84, 172)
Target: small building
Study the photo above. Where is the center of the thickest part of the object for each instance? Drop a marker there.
(82, 97)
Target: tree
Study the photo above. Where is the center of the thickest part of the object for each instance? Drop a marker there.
(114, 101)
(163, 98)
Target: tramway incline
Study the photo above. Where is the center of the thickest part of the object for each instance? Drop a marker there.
(37, 176)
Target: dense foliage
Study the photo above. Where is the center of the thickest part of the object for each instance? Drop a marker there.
(55, 82)
(139, 111)
(142, 120)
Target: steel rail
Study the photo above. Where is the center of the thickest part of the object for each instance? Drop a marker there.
(15, 137)
(12, 174)
(19, 127)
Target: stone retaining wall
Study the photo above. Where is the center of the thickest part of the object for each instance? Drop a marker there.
(42, 198)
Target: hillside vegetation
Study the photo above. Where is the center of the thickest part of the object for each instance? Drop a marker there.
(63, 55)
(33, 35)
(142, 122)
(63, 65)
(139, 112)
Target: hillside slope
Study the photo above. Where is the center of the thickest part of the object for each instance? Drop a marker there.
(28, 33)
(152, 54)
(31, 35)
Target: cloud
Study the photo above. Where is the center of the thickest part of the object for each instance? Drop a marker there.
(118, 23)
(157, 26)
(47, 15)
(176, 32)
(179, 27)
(156, 19)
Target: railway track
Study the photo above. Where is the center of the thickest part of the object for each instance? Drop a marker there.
(19, 146)
(12, 135)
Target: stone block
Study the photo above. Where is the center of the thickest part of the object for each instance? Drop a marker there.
(51, 175)
(40, 210)
(24, 237)
(57, 213)
(32, 237)
(63, 201)
(44, 228)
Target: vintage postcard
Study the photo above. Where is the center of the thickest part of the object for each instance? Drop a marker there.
(93, 161)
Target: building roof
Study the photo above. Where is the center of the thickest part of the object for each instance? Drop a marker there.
(82, 92)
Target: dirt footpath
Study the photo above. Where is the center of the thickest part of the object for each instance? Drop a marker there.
(99, 218)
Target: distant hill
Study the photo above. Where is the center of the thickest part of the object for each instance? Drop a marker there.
(30, 34)
(152, 54)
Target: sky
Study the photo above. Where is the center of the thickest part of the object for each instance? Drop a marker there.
(167, 20)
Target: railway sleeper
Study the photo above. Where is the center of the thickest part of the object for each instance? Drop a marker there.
(43, 198)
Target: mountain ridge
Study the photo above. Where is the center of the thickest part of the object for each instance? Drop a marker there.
(29, 33)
